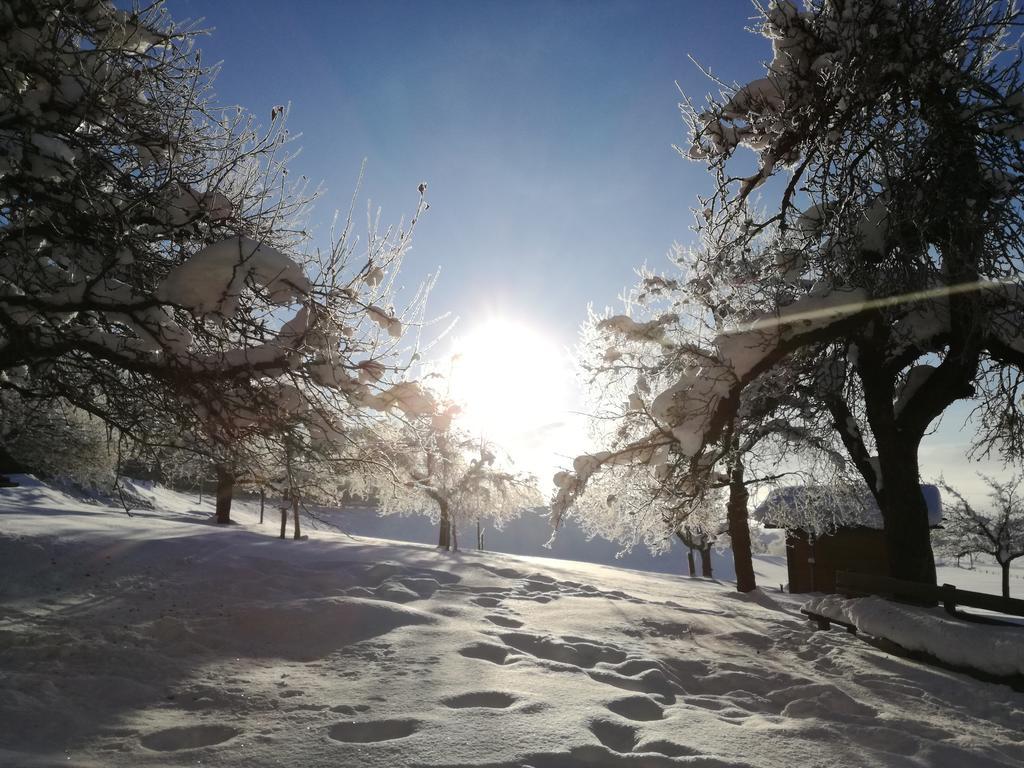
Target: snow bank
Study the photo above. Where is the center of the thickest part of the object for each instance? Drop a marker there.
(996, 650)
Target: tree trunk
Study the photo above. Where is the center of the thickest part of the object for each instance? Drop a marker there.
(907, 535)
(10, 465)
(263, 500)
(455, 537)
(284, 520)
(225, 488)
(739, 530)
(689, 554)
(705, 561)
(1006, 577)
(296, 533)
(444, 538)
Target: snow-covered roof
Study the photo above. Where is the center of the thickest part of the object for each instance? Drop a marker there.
(823, 508)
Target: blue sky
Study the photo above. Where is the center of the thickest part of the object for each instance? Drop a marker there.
(544, 131)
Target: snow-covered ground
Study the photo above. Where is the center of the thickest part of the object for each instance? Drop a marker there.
(164, 640)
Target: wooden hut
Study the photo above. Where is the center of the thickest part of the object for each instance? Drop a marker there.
(829, 530)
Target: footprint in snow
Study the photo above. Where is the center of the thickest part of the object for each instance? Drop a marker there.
(578, 652)
(188, 737)
(616, 736)
(653, 682)
(504, 621)
(486, 602)
(395, 592)
(496, 654)
(534, 585)
(373, 730)
(533, 597)
(449, 611)
(640, 708)
(405, 589)
(542, 577)
(828, 704)
(487, 699)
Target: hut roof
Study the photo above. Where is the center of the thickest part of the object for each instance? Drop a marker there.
(825, 508)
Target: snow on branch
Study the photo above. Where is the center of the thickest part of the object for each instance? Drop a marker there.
(213, 279)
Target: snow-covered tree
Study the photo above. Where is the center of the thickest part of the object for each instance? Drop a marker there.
(894, 129)
(635, 363)
(152, 259)
(442, 471)
(705, 522)
(997, 531)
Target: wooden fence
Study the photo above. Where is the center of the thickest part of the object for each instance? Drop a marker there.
(851, 584)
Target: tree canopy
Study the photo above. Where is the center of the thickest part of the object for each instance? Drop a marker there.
(156, 269)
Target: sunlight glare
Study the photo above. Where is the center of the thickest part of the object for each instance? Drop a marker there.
(514, 385)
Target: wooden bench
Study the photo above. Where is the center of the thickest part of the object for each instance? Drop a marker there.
(854, 584)
(826, 622)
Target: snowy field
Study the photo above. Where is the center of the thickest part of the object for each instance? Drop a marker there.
(164, 640)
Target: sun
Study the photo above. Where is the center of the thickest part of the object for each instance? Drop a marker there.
(514, 384)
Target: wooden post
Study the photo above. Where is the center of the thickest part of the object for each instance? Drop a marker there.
(479, 536)
(948, 597)
(812, 560)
